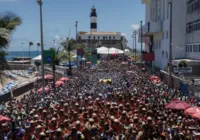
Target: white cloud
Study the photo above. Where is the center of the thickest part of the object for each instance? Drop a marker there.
(58, 37)
(123, 34)
(135, 26)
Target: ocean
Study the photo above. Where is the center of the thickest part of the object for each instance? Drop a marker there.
(12, 54)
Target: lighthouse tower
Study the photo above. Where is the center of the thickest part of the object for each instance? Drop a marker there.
(93, 20)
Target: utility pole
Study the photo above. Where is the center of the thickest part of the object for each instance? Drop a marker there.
(135, 43)
(141, 35)
(76, 25)
(170, 49)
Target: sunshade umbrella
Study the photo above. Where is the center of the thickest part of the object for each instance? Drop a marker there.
(192, 110)
(154, 78)
(48, 76)
(58, 83)
(46, 89)
(196, 116)
(177, 105)
(64, 79)
(4, 119)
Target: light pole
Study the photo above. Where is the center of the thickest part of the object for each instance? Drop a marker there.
(76, 25)
(23, 51)
(170, 48)
(141, 39)
(42, 44)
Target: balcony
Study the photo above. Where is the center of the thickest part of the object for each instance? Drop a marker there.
(146, 1)
(151, 28)
(148, 56)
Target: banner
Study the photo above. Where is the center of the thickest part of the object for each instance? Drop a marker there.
(94, 57)
(48, 56)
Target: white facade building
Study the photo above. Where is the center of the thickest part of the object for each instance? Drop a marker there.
(193, 29)
(156, 29)
(97, 39)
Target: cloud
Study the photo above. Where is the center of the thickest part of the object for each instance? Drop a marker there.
(123, 34)
(135, 26)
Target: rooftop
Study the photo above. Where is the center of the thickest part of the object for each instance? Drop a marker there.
(99, 33)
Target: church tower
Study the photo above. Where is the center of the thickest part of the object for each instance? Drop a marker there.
(93, 20)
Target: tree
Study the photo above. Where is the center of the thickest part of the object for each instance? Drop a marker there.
(58, 56)
(30, 44)
(8, 24)
(38, 45)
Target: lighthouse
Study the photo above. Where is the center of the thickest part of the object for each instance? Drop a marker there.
(93, 20)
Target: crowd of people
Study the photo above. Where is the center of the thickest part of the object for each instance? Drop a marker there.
(130, 107)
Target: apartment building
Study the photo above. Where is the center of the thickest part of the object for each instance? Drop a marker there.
(156, 30)
(193, 29)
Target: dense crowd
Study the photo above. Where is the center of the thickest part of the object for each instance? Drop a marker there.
(129, 107)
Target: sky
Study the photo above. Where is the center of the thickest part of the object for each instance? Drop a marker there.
(59, 18)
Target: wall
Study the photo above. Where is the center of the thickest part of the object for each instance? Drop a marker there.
(17, 92)
(179, 28)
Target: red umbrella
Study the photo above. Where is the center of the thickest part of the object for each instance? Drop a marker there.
(177, 105)
(46, 89)
(196, 116)
(4, 119)
(48, 76)
(64, 79)
(58, 83)
(192, 110)
(154, 78)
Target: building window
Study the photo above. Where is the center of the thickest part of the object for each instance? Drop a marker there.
(89, 37)
(98, 37)
(113, 37)
(166, 34)
(163, 53)
(93, 37)
(103, 37)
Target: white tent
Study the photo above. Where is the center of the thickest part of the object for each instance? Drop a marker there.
(102, 50)
(115, 51)
(37, 58)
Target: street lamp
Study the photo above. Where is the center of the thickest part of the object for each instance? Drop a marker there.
(42, 44)
(23, 52)
(141, 39)
(76, 25)
(170, 49)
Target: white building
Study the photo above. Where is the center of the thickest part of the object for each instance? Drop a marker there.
(193, 29)
(156, 29)
(96, 39)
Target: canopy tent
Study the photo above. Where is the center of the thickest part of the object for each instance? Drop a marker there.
(104, 50)
(115, 51)
(37, 58)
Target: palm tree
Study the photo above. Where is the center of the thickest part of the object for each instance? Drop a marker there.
(58, 56)
(8, 24)
(38, 45)
(30, 44)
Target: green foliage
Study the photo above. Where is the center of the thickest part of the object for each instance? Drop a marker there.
(59, 55)
(8, 24)
(31, 44)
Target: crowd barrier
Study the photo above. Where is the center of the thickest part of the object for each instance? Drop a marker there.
(17, 92)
